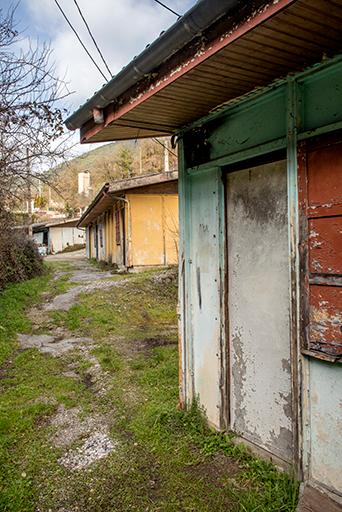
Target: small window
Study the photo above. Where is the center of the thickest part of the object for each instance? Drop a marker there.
(117, 227)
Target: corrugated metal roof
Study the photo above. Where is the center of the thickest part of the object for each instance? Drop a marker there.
(301, 34)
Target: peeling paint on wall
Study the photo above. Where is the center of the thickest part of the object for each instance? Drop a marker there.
(258, 307)
(205, 292)
(326, 424)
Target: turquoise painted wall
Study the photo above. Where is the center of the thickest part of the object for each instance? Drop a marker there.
(302, 106)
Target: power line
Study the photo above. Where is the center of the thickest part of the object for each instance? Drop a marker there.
(80, 40)
(168, 8)
(164, 146)
(92, 37)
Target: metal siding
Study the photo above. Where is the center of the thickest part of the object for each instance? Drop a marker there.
(321, 206)
(325, 245)
(258, 307)
(204, 257)
(322, 109)
(326, 424)
(256, 123)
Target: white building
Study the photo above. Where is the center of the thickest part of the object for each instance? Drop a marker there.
(84, 182)
(64, 234)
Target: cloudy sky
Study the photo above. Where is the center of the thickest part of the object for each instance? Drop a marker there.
(122, 29)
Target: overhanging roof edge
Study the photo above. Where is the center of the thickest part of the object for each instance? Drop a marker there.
(203, 14)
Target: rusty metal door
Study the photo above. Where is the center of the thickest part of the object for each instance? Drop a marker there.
(258, 308)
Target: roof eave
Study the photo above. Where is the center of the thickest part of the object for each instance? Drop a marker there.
(81, 223)
(203, 14)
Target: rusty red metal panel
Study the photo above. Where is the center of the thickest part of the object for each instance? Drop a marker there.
(325, 245)
(320, 204)
(324, 181)
(325, 332)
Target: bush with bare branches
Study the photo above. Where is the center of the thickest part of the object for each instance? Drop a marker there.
(31, 127)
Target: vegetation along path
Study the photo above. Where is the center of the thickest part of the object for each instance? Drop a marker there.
(89, 390)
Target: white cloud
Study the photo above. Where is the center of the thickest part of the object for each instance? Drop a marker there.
(122, 28)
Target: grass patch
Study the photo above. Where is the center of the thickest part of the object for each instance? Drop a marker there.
(14, 301)
(31, 386)
(175, 450)
(138, 310)
(166, 459)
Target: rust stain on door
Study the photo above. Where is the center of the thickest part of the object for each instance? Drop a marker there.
(321, 208)
(325, 331)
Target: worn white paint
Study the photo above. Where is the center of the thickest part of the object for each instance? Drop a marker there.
(326, 423)
(258, 307)
(205, 292)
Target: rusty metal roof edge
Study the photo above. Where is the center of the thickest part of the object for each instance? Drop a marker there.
(96, 199)
(203, 14)
(62, 222)
(142, 181)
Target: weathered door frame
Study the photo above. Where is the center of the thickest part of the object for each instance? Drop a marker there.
(96, 240)
(241, 164)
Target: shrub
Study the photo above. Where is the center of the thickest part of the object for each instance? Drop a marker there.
(19, 258)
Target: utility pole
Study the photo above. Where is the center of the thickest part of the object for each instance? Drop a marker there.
(140, 159)
(29, 195)
(166, 156)
(49, 197)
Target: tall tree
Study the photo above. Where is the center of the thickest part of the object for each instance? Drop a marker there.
(124, 163)
(31, 121)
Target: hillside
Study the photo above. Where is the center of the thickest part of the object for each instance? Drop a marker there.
(110, 162)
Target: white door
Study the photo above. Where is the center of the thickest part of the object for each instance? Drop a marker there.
(258, 307)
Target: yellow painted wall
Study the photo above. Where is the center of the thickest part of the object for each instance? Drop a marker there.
(117, 249)
(151, 231)
(154, 229)
(171, 229)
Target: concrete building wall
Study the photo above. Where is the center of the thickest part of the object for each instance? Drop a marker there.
(139, 230)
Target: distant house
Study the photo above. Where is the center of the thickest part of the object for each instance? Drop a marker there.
(63, 234)
(40, 233)
(134, 222)
(252, 92)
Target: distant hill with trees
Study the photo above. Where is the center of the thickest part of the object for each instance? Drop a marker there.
(106, 163)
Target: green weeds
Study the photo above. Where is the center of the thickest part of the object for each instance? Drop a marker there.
(166, 460)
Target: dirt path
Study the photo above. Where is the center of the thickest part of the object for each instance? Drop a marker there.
(88, 408)
(68, 424)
